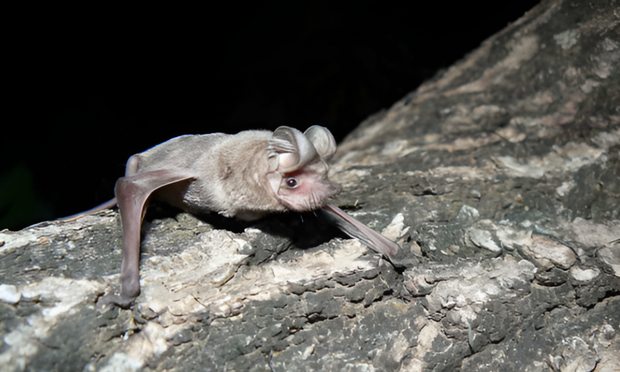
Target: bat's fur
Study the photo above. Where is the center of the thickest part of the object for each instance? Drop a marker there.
(231, 176)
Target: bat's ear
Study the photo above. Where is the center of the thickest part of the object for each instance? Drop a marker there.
(323, 141)
(290, 150)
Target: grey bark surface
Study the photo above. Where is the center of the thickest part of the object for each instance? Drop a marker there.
(500, 180)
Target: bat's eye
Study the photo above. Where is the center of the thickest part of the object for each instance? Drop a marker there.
(291, 182)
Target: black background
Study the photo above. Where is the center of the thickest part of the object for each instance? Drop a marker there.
(88, 87)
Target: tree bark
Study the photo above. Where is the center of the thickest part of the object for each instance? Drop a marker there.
(500, 180)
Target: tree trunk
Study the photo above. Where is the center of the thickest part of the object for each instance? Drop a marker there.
(500, 180)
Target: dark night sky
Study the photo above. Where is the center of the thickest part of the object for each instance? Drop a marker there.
(88, 88)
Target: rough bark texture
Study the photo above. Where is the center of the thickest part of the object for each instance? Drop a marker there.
(500, 179)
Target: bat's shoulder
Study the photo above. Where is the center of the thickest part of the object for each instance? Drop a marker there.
(177, 152)
(187, 148)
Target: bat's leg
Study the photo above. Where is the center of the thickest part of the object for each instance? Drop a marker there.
(109, 204)
(131, 194)
(363, 233)
(73, 217)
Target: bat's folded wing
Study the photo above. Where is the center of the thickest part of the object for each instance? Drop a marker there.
(131, 195)
(363, 233)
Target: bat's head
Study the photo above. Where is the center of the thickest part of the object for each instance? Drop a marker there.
(298, 167)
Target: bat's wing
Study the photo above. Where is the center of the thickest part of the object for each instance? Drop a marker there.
(132, 193)
(363, 233)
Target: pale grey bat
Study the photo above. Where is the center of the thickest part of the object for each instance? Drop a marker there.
(246, 176)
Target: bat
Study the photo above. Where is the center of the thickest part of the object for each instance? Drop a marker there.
(246, 176)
